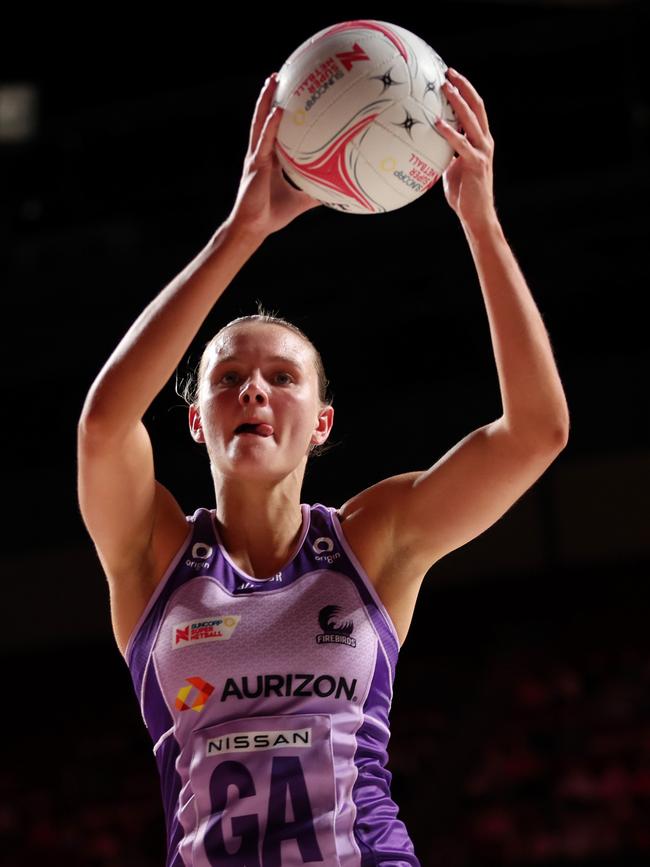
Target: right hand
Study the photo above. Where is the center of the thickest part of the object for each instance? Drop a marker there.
(265, 201)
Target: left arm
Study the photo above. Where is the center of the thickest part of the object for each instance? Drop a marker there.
(427, 514)
(535, 410)
(534, 405)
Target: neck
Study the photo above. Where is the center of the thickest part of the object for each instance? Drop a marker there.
(259, 527)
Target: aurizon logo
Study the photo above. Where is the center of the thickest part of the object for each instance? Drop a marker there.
(203, 691)
(286, 685)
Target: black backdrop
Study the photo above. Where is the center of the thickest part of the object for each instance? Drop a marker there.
(135, 160)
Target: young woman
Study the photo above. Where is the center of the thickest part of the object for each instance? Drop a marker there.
(262, 635)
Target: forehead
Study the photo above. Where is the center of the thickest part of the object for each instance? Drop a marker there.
(260, 340)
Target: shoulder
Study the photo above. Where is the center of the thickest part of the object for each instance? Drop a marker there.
(376, 504)
(366, 527)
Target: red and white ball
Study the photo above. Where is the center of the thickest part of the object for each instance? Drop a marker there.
(357, 133)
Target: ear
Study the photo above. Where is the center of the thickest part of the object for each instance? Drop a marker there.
(195, 424)
(324, 426)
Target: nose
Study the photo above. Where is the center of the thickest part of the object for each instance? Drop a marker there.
(252, 392)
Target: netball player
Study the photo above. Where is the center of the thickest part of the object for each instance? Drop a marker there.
(262, 634)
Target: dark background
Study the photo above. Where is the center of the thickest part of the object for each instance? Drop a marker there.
(133, 161)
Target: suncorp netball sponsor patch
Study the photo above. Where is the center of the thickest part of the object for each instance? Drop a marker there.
(217, 628)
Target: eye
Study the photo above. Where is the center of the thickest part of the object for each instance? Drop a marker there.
(232, 376)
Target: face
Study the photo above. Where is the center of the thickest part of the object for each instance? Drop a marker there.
(266, 373)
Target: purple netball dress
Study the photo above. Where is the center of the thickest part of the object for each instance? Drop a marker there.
(267, 701)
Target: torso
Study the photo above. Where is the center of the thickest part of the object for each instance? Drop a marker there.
(396, 585)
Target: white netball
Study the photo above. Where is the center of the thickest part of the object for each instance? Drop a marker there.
(357, 133)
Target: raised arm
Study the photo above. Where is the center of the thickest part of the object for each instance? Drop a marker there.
(534, 404)
(126, 512)
(152, 348)
(425, 514)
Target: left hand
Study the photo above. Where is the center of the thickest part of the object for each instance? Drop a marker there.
(467, 180)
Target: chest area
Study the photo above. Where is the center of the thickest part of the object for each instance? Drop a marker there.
(309, 647)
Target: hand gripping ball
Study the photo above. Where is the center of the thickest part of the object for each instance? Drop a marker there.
(357, 133)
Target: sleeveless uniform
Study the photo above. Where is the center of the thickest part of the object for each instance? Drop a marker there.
(268, 703)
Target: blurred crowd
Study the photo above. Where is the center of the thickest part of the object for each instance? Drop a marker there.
(550, 765)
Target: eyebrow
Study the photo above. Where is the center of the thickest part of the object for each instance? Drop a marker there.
(285, 359)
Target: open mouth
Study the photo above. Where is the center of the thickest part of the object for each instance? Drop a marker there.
(260, 430)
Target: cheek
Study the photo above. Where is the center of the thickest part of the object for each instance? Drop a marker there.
(209, 415)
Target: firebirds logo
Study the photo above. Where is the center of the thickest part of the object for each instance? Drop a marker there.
(334, 633)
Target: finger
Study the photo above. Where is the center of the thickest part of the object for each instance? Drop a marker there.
(466, 116)
(471, 96)
(456, 140)
(269, 132)
(262, 108)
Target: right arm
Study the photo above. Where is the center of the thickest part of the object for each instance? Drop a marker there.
(116, 484)
(151, 350)
(127, 513)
